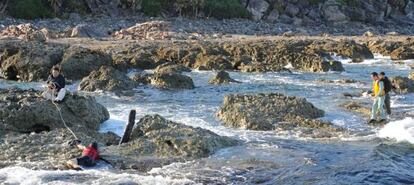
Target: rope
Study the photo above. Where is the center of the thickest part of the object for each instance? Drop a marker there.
(61, 117)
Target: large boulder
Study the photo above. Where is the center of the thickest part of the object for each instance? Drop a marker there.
(403, 84)
(212, 62)
(172, 81)
(78, 62)
(29, 61)
(24, 111)
(222, 77)
(402, 53)
(107, 79)
(156, 141)
(332, 12)
(264, 111)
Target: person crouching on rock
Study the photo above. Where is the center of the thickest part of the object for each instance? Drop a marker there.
(55, 86)
(89, 157)
(379, 97)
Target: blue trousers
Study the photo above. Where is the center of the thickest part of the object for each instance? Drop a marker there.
(378, 108)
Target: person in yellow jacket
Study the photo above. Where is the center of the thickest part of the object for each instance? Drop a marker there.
(378, 94)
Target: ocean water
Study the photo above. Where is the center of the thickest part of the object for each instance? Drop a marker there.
(367, 155)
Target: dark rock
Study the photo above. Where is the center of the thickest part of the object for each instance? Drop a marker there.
(403, 84)
(107, 79)
(264, 111)
(78, 62)
(222, 77)
(24, 111)
(172, 81)
(171, 68)
(157, 141)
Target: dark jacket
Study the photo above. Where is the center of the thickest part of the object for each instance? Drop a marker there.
(59, 81)
(387, 85)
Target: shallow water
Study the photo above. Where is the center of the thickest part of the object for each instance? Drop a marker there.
(368, 155)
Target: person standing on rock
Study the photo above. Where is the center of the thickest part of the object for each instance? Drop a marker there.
(55, 86)
(89, 157)
(387, 88)
(378, 96)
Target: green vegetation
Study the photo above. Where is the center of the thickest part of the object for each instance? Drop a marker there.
(153, 7)
(221, 9)
(351, 3)
(29, 9)
(224, 9)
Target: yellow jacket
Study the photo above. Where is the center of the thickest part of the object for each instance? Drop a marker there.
(378, 88)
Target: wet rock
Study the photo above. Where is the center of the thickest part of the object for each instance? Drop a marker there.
(172, 81)
(363, 108)
(264, 111)
(84, 30)
(78, 62)
(347, 48)
(171, 68)
(142, 78)
(403, 84)
(25, 111)
(222, 77)
(107, 79)
(156, 141)
(47, 150)
(153, 30)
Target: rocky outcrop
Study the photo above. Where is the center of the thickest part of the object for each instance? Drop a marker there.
(78, 62)
(24, 111)
(403, 84)
(346, 48)
(171, 68)
(172, 81)
(264, 111)
(398, 50)
(156, 141)
(84, 30)
(402, 53)
(222, 77)
(154, 30)
(107, 79)
(47, 150)
(359, 107)
(26, 32)
(29, 61)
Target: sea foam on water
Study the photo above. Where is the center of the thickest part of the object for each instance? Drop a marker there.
(402, 130)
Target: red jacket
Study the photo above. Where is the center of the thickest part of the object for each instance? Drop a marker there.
(91, 152)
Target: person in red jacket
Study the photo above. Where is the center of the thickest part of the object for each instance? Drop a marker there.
(90, 155)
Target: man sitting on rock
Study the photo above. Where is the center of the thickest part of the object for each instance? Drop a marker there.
(55, 86)
(89, 157)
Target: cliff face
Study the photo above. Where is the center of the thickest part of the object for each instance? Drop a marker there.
(297, 12)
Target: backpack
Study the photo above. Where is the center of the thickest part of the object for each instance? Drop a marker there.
(387, 85)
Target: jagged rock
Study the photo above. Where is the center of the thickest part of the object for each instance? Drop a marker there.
(156, 141)
(264, 111)
(107, 79)
(359, 107)
(333, 13)
(212, 62)
(172, 81)
(171, 68)
(153, 30)
(402, 53)
(347, 48)
(29, 61)
(27, 32)
(78, 62)
(403, 84)
(84, 30)
(24, 111)
(222, 77)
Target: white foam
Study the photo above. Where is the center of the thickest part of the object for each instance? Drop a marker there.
(25, 176)
(402, 130)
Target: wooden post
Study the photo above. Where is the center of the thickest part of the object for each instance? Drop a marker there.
(128, 129)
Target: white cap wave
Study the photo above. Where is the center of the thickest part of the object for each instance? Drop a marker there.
(402, 130)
